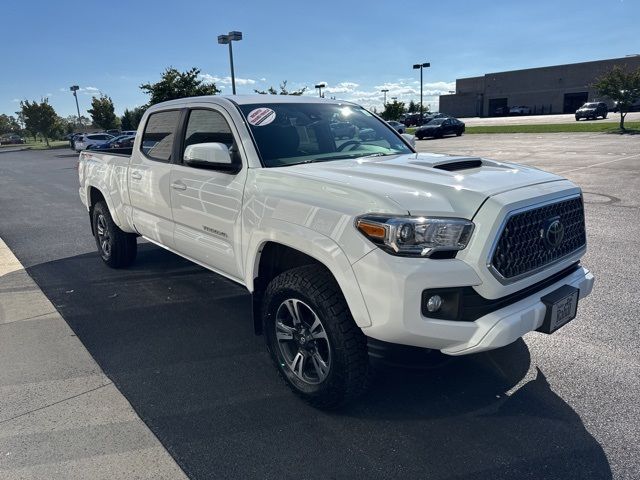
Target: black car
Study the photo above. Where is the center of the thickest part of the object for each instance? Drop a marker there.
(439, 127)
(124, 142)
(592, 110)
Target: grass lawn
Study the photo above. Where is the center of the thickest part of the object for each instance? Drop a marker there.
(39, 145)
(608, 127)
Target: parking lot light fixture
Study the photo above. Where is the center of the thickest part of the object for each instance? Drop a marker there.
(227, 40)
(384, 102)
(74, 89)
(416, 67)
(320, 86)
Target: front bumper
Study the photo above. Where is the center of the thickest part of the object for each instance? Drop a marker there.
(395, 305)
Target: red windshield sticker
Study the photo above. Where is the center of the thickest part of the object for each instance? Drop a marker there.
(261, 117)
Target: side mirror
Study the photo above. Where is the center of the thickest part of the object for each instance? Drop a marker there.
(410, 139)
(213, 156)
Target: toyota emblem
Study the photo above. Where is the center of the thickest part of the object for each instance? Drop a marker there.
(553, 233)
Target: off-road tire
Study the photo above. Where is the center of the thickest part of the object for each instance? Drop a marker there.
(349, 373)
(122, 246)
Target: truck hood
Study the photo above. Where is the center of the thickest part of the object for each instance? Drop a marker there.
(426, 184)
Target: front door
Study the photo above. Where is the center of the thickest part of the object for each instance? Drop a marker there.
(206, 204)
(150, 177)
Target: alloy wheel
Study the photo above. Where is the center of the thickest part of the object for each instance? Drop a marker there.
(302, 341)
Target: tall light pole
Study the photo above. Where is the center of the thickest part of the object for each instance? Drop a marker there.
(74, 89)
(384, 90)
(421, 66)
(227, 39)
(320, 86)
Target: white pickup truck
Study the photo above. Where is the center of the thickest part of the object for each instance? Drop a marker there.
(352, 246)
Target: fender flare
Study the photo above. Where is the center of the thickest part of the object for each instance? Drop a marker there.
(107, 198)
(316, 245)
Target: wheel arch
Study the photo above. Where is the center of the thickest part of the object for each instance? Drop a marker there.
(96, 193)
(271, 256)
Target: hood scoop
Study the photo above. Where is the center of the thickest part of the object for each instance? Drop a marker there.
(459, 165)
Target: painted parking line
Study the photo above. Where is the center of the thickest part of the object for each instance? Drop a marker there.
(625, 157)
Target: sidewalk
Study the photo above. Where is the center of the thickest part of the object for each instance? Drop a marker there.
(60, 416)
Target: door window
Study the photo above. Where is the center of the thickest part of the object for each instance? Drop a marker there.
(158, 136)
(207, 126)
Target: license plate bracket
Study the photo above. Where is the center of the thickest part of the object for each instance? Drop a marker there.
(562, 306)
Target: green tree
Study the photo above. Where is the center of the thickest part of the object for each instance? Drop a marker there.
(174, 84)
(393, 110)
(73, 121)
(8, 124)
(622, 86)
(131, 118)
(39, 118)
(413, 106)
(283, 90)
(103, 113)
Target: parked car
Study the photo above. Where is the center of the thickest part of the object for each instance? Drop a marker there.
(106, 145)
(439, 127)
(73, 138)
(592, 110)
(399, 127)
(343, 130)
(125, 141)
(115, 132)
(128, 132)
(84, 141)
(11, 139)
(501, 111)
(520, 110)
(432, 116)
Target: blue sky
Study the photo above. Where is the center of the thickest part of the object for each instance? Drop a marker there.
(358, 48)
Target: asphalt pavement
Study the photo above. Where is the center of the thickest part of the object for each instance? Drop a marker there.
(177, 342)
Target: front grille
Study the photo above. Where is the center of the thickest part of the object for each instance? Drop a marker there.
(522, 247)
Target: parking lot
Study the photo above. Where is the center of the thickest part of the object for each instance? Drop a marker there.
(544, 119)
(177, 342)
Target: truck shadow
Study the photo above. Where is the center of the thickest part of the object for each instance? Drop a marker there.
(178, 343)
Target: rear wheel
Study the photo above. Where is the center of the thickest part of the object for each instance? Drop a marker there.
(316, 346)
(117, 248)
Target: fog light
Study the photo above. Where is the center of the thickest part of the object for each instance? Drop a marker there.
(434, 303)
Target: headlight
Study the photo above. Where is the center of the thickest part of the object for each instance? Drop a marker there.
(415, 236)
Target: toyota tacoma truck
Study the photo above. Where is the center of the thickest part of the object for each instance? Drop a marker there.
(349, 246)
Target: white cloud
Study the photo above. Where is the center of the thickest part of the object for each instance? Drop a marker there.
(342, 87)
(16, 100)
(208, 78)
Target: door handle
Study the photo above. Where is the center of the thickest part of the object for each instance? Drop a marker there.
(178, 186)
(136, 175)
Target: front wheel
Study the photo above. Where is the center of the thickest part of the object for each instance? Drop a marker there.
(118, 249)
(314, 342)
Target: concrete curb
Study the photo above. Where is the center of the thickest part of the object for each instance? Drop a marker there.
(61, 417)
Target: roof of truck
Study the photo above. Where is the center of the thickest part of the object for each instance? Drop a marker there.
(252, 99)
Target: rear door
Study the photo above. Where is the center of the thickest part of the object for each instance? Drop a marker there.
(207, 203)
(150, 177)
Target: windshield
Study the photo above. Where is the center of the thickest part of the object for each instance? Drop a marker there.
(436, 121)
(590, 105)
(293, 133)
